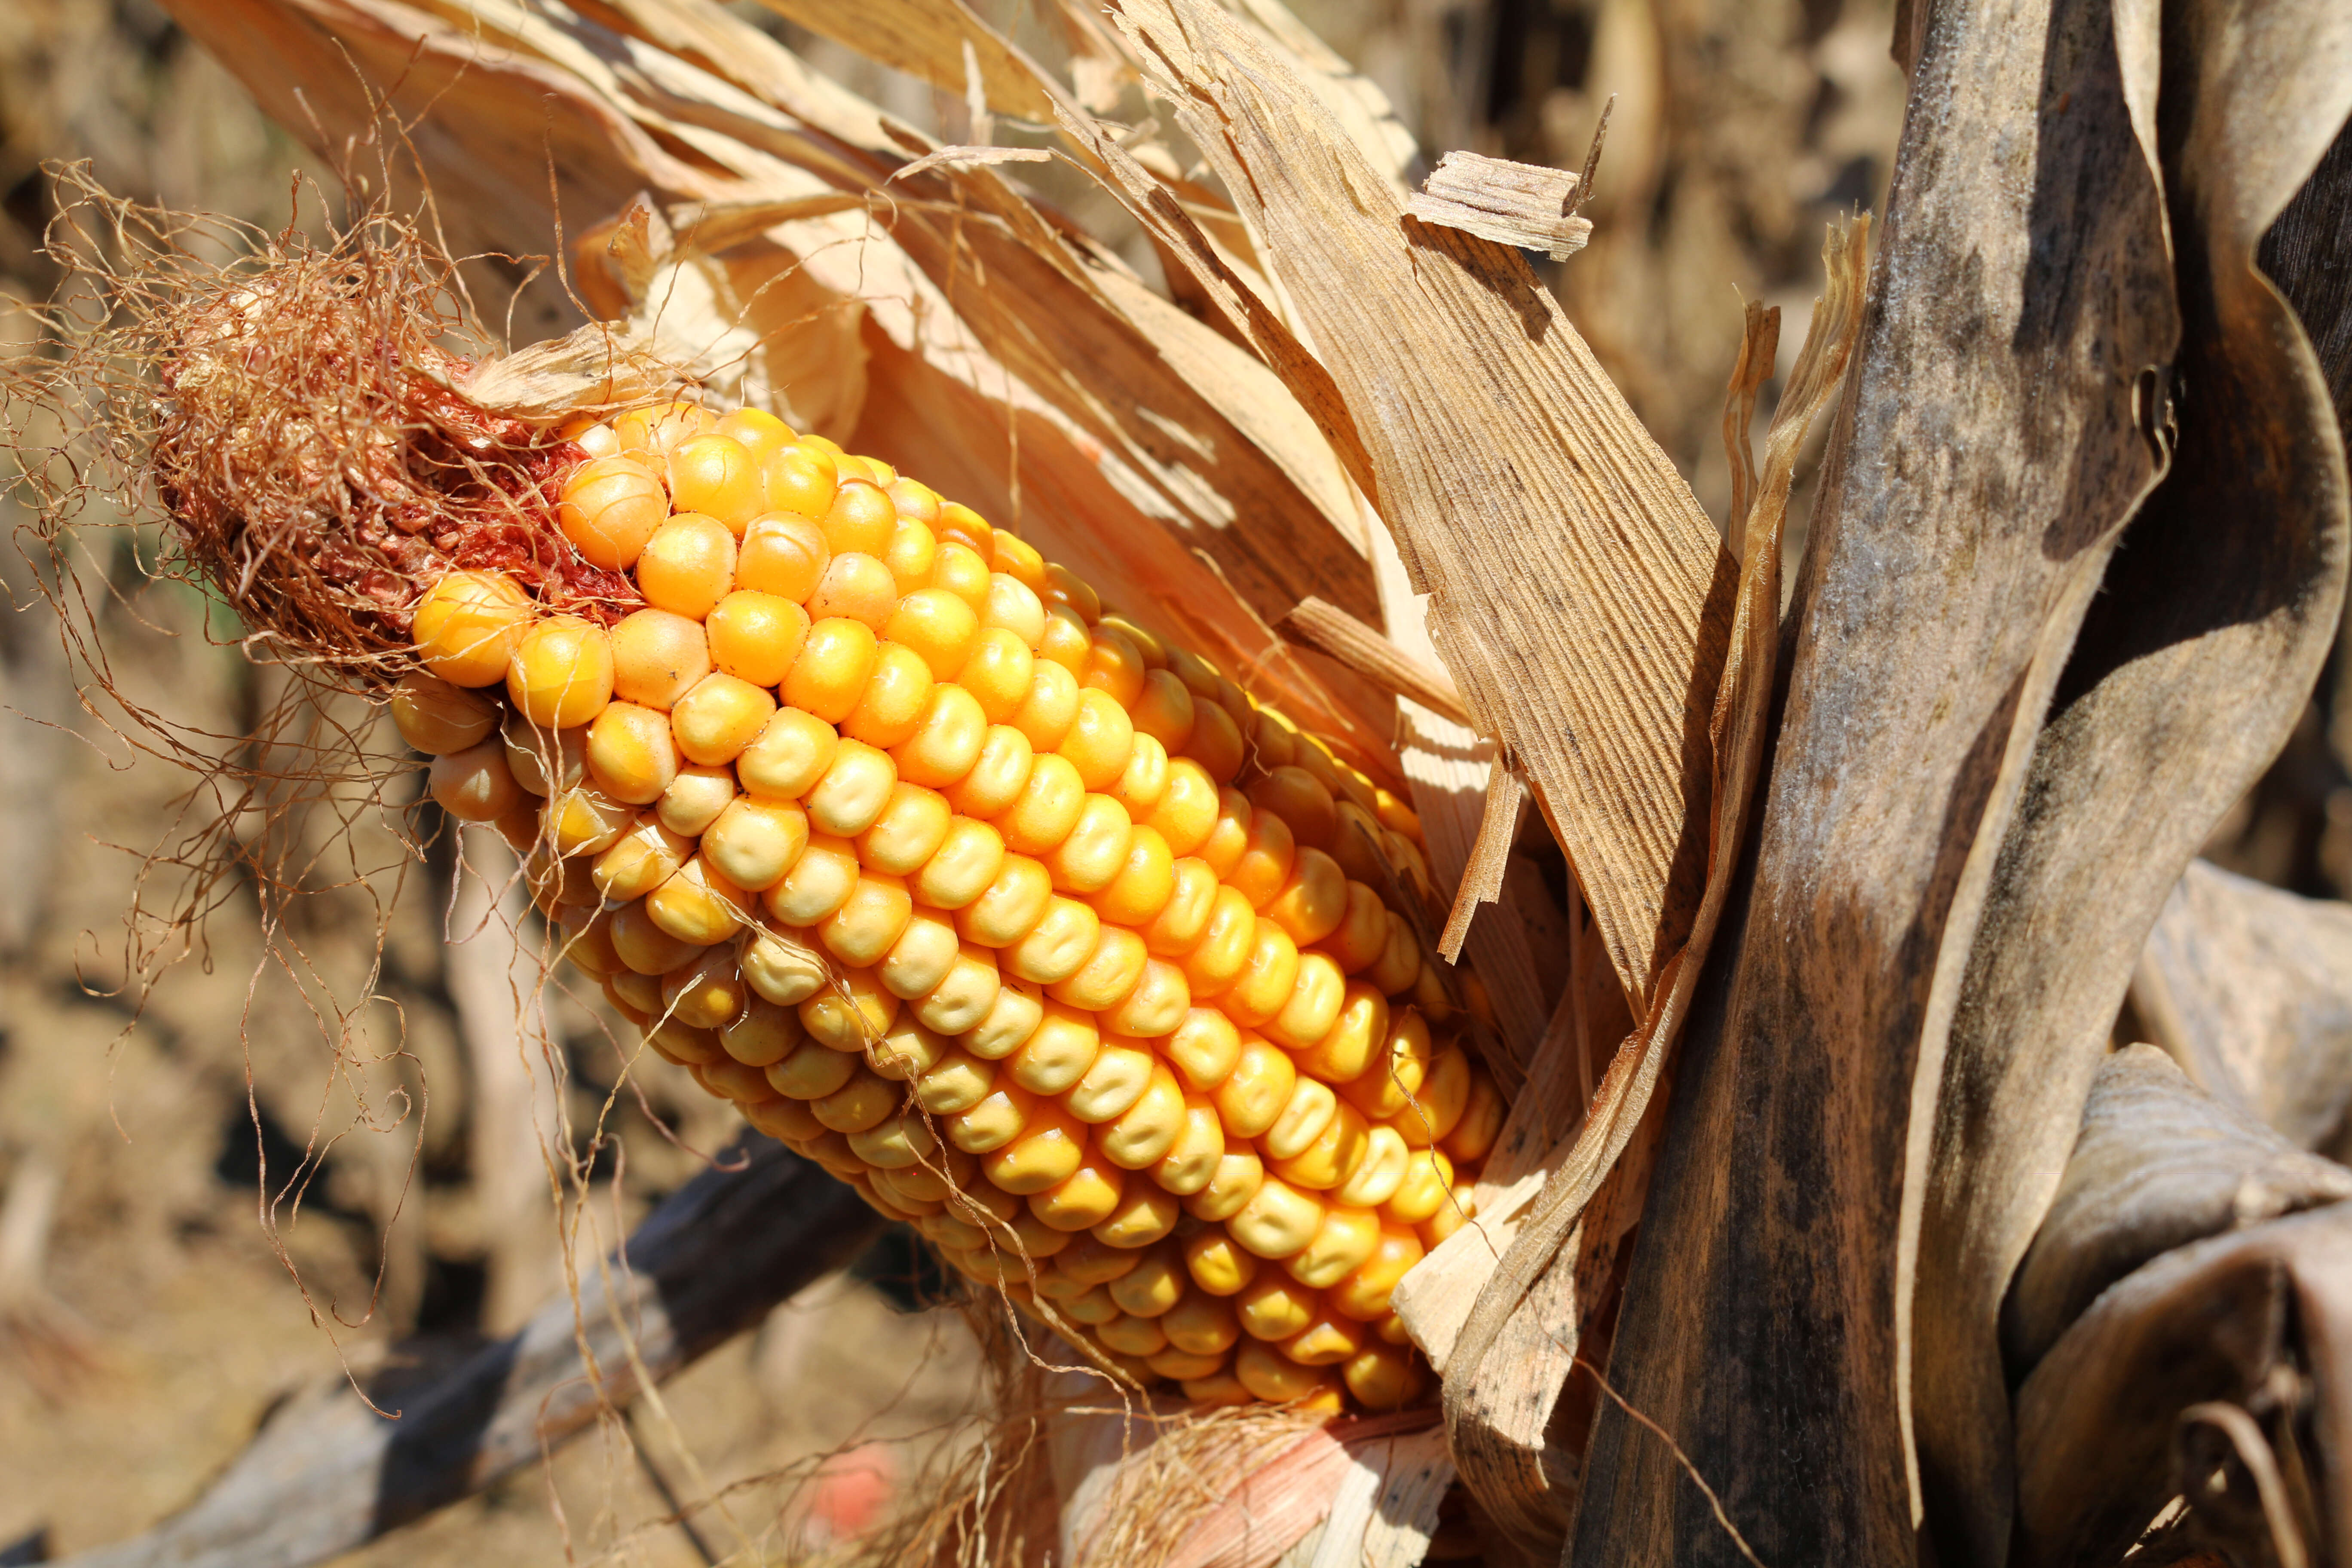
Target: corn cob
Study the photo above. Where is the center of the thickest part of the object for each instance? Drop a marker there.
(885, 828)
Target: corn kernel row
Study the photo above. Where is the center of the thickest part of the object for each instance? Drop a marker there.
(878, 822)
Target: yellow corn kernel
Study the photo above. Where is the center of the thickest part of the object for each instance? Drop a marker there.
(1332, 1158)
(1107, 974)
(1338, 1247)
(938, 628)
(922, 957)
(1364, 1294)
(1251, 1097)
(1311, 1109)
(1186, 1367)
(1384, 1378)
(609, 508)
(1432, 1112)
(897, 695)
(474, 784)
(1100, 740)
(730, 1079)
(998, 671)
(956, 1082)
(1257, 997)
(699, 904)
(850, 1013)
(896, 1143)
(1215, 742)
(1132, 1336)
(557, 883)
(960, 569)
(561, 674)
(857, 586)
(787, 973)
(688, 565)
(1044, 1155)
(1480, 1123)
(717, 720)
(1093, 849)
(1399, 1066)
(1066, 640)
(544, 762)
(1183, 921)
(802, 479)
(1205, 1323)
(914, 548)
(1274, 1307)
(1223, 953)
(1049, 710)
(1428, 1179)
(630, 753)
(1047, 807)
(1218, 1264)
(674, 1042)
(1381, 1172)
(643, 946)
(1094, 1307)
(1327, 1341)
(1391, 1329)
(852, 791)
(1153, 1287)
(754, 842)
(1091, 1261)
(792, 752)
(1058, 1286)
(1164, 710)
(717, 475)
(1156, 1004)
(519, 826)
(695, 798)
(783, 554)
(821, 879)
(1314, 901)
(993, 1121)
(1355, 1038)
(438, 718)
(707, 993)
(1084, 1198)
(998, 775)
(1313, 1008)
(1016, 1013)
(1229, 836)
(1263, 868)
(1355, 945)
(1187, 812)
(1142, 883)
(584, 821)
(763, 1034)
(657, 657)
(876, 912)
(947, 741)
(830, 674)
(640, 995)
(1217, 1390)
(756, 637)
(1103, 1080)
(1193, 1155)
(1278, 1221)
(587, 942)
(1058, 1053)
(857, 1105)
(1145, 780)
(761, 432)
(1142, 1134)
(861, 518)
(1064, 936)
(811, 1071)
(1010, 906)
(967, 997)
(1144, 1215)
(1452, 1215)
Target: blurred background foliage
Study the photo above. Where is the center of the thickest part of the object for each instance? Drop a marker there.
(206, 1212)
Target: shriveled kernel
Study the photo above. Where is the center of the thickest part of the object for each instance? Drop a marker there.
(1010, 908)
(630, 753)
(717, 475)
(897, 694)
(1273, 1305)
(819, 881)
(763, 1034)
(754, 842)
(802, 479)
(792, 752)
(688, 565)
(1193, 1156)
(438, 718)
(966, 996)
(756, 635)
(643, 946)
(1058, 945)
(1046, 714)
(474, 784)
(609, 509)
(1058, 1053)
(830, 674)
(1278, 1220)
(640, 860)
(715, 720)
(1316, 995)
(783, 554)
(561, 674)
(657, 657)
(699, 904)
(860, 519)
(1236, 1180)
(1340, 1246)
(966, 864)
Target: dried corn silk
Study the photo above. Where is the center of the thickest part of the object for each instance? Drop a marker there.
(1020, 918)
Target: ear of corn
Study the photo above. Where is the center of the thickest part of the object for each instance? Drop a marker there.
(1024, 922)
